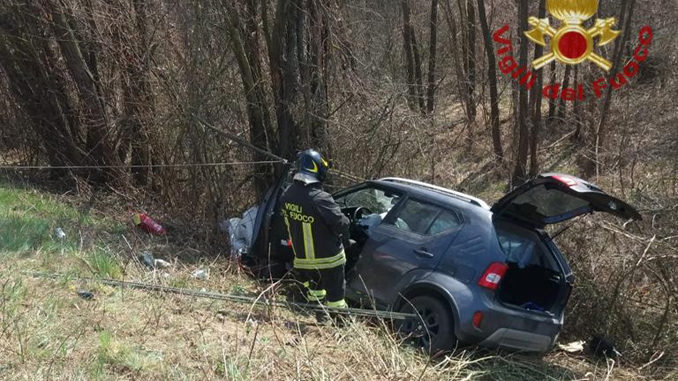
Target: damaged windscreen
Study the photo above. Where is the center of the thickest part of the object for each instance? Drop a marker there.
(376, 200)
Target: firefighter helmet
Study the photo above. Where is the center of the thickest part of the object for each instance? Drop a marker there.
(312, 167)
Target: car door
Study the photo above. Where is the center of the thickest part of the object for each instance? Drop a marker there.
(413, 237)
(270, 255)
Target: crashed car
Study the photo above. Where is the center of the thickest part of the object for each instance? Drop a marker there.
(475, 274)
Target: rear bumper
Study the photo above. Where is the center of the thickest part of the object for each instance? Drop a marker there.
(509, 327)
(519, 340)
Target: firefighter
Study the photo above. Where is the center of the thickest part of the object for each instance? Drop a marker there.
(317, 230)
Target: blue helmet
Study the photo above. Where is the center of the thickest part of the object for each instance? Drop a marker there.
(312, 167)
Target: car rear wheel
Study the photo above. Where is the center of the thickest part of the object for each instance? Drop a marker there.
(433, 329)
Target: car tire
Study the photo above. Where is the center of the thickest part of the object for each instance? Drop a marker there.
(433, 330)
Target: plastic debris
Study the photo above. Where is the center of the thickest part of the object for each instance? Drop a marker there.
(202, 274)
(148, 225)
(60, 234)
(85, 294)
(573, 347)
(147, 259)
(161, 264)
(151, 262)
(240, 231)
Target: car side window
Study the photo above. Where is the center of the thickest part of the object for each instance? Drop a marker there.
(425, 219)
(446, 221)
(416, 217)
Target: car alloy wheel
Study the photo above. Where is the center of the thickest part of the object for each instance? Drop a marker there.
(433, 329)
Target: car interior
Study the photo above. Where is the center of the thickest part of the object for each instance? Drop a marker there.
(365, 208)
(534, 278)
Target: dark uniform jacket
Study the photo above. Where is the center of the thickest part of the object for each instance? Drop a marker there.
(316, 226)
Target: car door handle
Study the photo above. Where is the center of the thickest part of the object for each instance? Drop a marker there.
(423, 253)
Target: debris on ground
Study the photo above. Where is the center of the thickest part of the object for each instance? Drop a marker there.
(60, 234)
(240, 231)
(202, 274)
(148, 225)
(147, 259)
(603, 347)
(161, 264)
(85, 295)
(573, 347)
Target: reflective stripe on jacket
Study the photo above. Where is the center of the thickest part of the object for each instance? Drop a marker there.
(315, 226)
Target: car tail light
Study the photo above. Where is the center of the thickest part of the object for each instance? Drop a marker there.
(493, 275)
(477, 319)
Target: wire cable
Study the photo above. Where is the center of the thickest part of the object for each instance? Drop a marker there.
(231, 298)
(188, 165)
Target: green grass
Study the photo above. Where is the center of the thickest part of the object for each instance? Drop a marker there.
(103, 264)
(22, 233)
(115, 355)
(29, 221)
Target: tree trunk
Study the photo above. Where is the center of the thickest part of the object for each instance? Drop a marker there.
(535, 104)
(94, 112)
(458, 64)
(471, 59)
(520, 171)
(409, 56)
(253, 89)
(320, 52)
(553, 73)
(139, 100)
(42, 95)
(601, 130)
(419, 76)
(432, 57)
(492, 78)
(576, 106)
(562, 105)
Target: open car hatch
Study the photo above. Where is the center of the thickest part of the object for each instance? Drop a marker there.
(552, 198)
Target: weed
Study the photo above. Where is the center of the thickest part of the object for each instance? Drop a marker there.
(104, 265)
(20, 234)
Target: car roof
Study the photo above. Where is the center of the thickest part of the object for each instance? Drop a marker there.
(433, 192)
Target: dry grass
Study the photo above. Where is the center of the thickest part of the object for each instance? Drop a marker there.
(48, 332)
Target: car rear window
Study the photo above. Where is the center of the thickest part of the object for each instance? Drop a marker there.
(548, 203)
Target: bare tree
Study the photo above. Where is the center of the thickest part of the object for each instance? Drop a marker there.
(432, 57)
(243, 34)
(535, 104)
(470, 57)
(492, 79)
(520, 171)
(626, 15)
(561, 111)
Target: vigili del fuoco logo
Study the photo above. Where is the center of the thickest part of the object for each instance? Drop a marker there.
(570, 43)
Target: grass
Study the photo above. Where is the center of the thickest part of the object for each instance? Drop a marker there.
(48, 332)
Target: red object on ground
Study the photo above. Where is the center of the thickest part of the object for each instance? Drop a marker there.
(147, 224)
